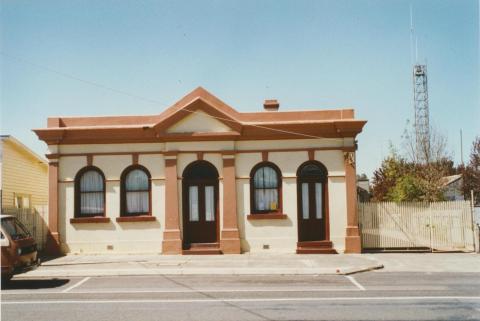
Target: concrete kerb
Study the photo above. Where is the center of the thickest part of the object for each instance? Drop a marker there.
(349, 271)
(102, 265)
(255, 264)
(123, 272)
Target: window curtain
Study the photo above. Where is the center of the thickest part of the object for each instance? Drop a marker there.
(318, 200)
(193, 203)
(265, 183)
(305, 202)
(137, 192)
(209, 204)
(91, 193)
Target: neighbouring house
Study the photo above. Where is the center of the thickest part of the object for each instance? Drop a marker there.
(201, 177)
(23, 176)
(453, 187)
(363, 189)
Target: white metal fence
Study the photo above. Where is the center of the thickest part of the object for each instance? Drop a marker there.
(438, 226)
(34, 219)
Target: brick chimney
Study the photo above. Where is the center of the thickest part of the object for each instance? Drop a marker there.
(271, 105)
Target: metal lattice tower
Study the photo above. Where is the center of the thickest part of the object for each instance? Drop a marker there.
(422, 123)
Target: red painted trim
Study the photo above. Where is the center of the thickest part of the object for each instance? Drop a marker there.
(233, 152)
(311, 154)
(267, 216)
(94, 219)
(267, 131)
(53, 237)
(129, 129)
(172, 243)
(230, 236)
(197, 97)
(140, 218)
(265, 156)
(198, 103)
(135, 159)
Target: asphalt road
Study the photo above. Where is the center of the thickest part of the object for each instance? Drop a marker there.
(365, 296)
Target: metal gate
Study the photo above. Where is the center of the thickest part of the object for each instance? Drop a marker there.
(34, 219)
(435, 226)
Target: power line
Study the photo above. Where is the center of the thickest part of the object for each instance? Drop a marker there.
(135, 96)
(258, 126)
(88, 82)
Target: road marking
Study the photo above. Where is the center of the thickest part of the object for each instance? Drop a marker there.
(355, 282)
(383, 298)
(75, 285)
(349, 289)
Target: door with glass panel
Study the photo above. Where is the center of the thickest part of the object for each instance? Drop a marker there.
(312, 196)
(200, 209)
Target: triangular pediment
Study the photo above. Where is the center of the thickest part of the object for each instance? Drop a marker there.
(199, 112)
(199, 122)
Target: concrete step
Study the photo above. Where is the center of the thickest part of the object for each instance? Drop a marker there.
(313, 250)
(315, 247)
(204, 245)
(323, 244)
(202, 249)
(201, 252)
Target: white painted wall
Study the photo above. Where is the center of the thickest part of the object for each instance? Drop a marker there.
(281, 235)
(137, 237)
(146, 237)
(107, 148)
(337, 207)
(198, 121)
(69, 167)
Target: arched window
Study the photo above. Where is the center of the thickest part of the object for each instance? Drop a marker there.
(135, 191)
(265, 189)
(89, 192)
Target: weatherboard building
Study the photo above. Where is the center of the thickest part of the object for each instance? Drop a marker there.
(202, 177)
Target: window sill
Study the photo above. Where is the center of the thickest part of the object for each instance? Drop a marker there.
(94, 219)
(139, 218)
(267, 216)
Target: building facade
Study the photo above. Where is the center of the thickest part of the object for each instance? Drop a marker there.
(203, 178)
(453, 187)
(23, 176)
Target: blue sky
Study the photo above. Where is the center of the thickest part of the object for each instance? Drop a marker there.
(306, 54)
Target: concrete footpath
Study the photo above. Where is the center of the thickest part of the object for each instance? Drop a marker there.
(244, 264)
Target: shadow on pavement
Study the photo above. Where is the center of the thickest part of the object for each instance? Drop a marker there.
(34, 284)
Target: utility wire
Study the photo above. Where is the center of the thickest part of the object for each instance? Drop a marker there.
(253, 125)
(152, 101)
(88, 82)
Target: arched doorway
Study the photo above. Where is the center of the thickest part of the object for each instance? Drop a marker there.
(312, 198)
(200, 204)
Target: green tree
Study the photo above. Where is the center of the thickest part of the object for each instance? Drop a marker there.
(385, 178)
(400, 180)
(407, 188)
(414, 177)
(471, 173)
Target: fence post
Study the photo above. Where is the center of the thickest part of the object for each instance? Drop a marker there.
(472, 210)
(430, 225)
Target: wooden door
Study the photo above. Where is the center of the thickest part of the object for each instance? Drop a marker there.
(200, 204)
(200, 217)
(312, 207)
